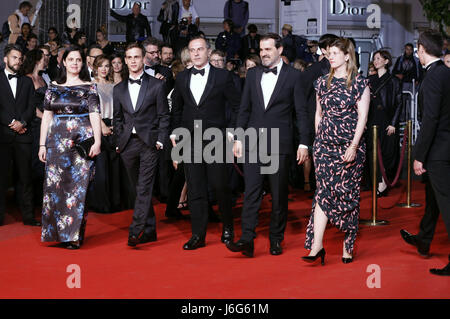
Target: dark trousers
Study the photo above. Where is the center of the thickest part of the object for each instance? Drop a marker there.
(20, 153)
(141, 161)
(175, 189)
(254, 184)
(437, 192)
(198, 175)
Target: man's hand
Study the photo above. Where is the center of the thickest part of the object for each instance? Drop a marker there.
(159, 76)
(174, 143)
(302, 155)
(237, 149)
(418, 168)
(390, 130)
(175, 165)
(16, 126)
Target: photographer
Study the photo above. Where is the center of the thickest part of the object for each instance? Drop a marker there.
(183, 33)
(228, 41)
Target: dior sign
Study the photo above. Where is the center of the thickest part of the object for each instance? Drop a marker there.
(345, 8)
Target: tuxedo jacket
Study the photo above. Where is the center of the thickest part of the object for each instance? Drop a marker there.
(220, 92)
(433, 142)
(279, 113)
(167, 73)
(20, 108)
(308, 93)
(150, 118)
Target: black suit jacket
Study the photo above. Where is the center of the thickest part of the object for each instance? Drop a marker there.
(20, 108)
(167, 73)
(150, 118)
(391, 98)
(220, 93)
(134, 25)
(433, 142)
(284, 102)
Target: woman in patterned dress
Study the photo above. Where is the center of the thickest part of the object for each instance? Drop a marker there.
(71, 115)
(343, 99)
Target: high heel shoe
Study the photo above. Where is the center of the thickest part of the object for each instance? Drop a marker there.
(347, 260)
(311, 259)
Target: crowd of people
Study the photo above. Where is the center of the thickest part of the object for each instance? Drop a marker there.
(89, 127)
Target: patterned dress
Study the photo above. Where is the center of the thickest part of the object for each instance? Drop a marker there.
(338, 183)
(67, 174)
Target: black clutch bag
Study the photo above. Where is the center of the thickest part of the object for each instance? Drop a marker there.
(84, 147)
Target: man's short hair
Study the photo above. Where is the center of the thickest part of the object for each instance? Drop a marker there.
(208, 45)
(135, 45)
(92, 47)
(219, 53)
(326, 40)
(151, 41)
(165, 45)
(409, 45)
(44, 47)
(11, 47)
(25, 4)
(432, 42)
(32, 36)
(252, 28)
(274, 36)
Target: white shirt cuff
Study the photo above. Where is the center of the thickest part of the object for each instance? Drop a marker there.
(173, 136)
(160, 144)
(303, 146)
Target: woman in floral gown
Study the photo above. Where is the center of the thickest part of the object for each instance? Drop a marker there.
(71, 115)
(342, 106)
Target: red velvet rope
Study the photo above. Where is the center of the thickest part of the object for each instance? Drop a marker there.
(400, 165)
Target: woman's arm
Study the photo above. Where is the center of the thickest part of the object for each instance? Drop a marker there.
(45, 123)
(95, 119)
(318, 116)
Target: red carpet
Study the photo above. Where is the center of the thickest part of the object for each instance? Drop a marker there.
(111, 269)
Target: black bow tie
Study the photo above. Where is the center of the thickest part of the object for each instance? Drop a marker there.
(196, 71)
(92, 74)
(10, 76)
(138, 81)
(42, 72)
(150, 67)
(274, 70)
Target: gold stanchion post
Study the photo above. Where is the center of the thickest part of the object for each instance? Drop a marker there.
(408, 203)
(374, 221)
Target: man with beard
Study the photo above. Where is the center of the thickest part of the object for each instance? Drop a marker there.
(16, 113)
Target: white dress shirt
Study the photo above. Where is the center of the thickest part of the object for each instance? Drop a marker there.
(134, 89)
(12, 82)
(430, 63)
(150, 71)
(268, 83)
(198, 83)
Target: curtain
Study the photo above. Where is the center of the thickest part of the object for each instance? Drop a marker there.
(52, 14)
(94, 15)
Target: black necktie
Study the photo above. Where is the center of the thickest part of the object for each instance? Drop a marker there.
(10, 76)
(138, 81)
(274, 70)
(196, 71)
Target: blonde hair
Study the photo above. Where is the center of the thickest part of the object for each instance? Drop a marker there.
(185, 56)
(346, 46)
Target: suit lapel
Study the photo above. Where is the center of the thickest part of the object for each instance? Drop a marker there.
(6, 85)
(19, 86)
(142, 91)
(280, 83)
(259, 73)
(209, 85)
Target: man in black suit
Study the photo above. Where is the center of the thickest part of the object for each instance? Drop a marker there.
(432, 148)
(270, 97)
(203, 93)
(311, 74)
(141, 121)
(153, 65)
(137, 24)
(16, 114)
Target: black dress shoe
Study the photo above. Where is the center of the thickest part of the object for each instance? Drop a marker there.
(32, 222)
(422, 248)
(245, 247)
(441, 272)
(275, 248)
(133, 240)
(194, 243)
(347, 260)
(227, 235)
(147, 238)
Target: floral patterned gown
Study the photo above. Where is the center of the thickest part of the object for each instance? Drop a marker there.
(67, 174)
(338, 183)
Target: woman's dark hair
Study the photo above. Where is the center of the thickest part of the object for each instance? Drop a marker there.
(84, 73)
(78, 36)
(230, 24)
(24, 25)
(124, 73)
(31, 59)
(432, 42)
(385, 55)
(254, 58)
